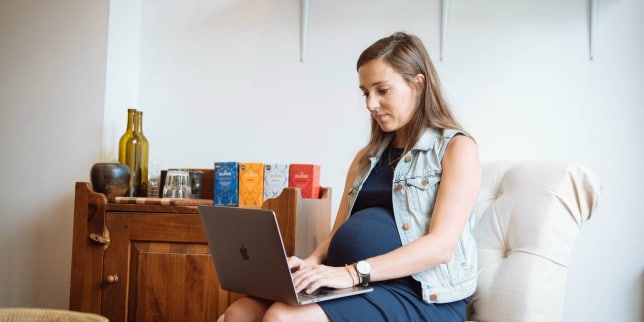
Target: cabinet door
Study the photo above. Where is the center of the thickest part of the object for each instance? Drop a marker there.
(158, 268)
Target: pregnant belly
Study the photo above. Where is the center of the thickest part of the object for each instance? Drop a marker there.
(368, 232)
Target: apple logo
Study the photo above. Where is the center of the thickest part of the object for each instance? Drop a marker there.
(244, 252)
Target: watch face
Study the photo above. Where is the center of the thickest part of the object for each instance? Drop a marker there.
(363, 267)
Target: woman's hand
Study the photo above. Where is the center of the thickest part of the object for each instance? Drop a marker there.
(310, 277)
(294, 263)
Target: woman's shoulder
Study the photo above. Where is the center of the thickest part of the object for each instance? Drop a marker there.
(437, 138)
(462, 141)
(461, 147)
(450, 133)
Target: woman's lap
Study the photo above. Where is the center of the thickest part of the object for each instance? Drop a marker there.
(392, 301)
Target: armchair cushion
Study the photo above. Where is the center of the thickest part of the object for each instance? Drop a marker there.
(527, 219)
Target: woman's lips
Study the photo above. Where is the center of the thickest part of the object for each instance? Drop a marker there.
(380, 117)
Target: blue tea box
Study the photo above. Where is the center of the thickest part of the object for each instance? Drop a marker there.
(226, 181)
(275, 179)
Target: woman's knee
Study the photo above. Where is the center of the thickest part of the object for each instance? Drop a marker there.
(277, 312)
(283, 312)
(246, 310)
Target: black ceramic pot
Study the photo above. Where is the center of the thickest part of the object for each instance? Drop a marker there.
(110, 178)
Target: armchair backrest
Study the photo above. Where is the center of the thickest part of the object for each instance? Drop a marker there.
(528, 216)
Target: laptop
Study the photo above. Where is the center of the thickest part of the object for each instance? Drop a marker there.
(249, 256)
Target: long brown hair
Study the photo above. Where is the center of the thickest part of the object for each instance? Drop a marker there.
(407, 55)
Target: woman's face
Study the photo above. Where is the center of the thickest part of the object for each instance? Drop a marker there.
(390, 98)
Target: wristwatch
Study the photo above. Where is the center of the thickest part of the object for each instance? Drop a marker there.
(364, 271)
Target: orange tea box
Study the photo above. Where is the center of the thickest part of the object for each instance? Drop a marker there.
(251, 184)
(275, 179)
(306, 177)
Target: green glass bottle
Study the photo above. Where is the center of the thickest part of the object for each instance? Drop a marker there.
(145, 152)
(130, 152)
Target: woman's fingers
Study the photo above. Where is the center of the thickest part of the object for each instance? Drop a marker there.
(294, 263)
(312, 277)
(303, 277)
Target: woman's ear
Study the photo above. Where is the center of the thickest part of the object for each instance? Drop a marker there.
(419, 79)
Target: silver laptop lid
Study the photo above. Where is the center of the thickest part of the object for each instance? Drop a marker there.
(248, 252)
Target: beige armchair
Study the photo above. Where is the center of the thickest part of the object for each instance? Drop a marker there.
(527, 219)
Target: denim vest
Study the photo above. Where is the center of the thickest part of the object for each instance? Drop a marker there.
(416, 179)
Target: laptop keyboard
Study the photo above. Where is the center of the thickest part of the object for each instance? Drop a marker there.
(317, 293)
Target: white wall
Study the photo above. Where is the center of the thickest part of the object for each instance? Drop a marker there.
(52, 87)
(221, 80)
(122, 73)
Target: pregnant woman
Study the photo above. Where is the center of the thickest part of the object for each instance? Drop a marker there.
(404, 223)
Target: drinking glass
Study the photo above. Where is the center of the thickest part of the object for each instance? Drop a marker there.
(196, 178)
(177, 184)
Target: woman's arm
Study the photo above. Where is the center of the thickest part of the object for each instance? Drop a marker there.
(455, 200)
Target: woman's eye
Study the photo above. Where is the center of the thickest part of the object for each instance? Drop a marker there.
(383, 91)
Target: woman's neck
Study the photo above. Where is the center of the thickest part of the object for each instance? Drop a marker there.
(398, 141)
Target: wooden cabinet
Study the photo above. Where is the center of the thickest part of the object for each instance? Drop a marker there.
(137, 262)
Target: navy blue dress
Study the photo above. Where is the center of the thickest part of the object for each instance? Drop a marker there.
(371, 231)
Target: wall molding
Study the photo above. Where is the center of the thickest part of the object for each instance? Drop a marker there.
(593, 13)
(304, 26)
(445, 5)
(592, 28)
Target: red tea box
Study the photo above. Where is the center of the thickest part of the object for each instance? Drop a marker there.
(251, 184)
(307, 178)
(226, 184)
(275, 179)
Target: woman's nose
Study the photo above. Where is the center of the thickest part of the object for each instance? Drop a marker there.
(372, 103)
